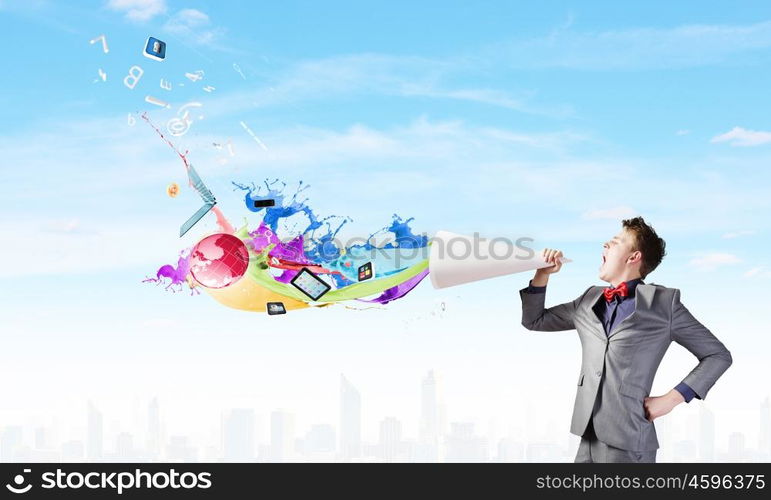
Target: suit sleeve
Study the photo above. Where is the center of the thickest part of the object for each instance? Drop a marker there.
(554, 319)
(714, 358)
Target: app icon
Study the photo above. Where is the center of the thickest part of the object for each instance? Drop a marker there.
(155, 49)
(365, 271)
(18, 481)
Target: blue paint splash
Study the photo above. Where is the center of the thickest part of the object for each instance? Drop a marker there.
(319, 235)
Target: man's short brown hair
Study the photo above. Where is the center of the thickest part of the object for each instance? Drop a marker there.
(652, 248)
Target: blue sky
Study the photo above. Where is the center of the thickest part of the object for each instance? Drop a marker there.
(506, 118)
(588, 113)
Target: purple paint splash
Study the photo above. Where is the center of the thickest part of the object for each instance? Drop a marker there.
(399, 290)
(176, 276)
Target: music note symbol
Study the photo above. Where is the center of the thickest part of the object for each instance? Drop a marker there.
(104, 43)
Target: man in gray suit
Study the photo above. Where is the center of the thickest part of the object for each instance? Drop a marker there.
(625, 330)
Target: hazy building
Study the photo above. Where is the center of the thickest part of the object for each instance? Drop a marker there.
(153, 429)
(736, 446)
(321, 439)
(510, 450)
(429, 431)
(10, 443)
(179, 450)
(764, 432)
(282, 436)
(72, 451)
(95, 433)
(41, 438)
(706, 434)
(238, 435)
(463, 445)
(390, 438)
(124, 446)
(350, 420)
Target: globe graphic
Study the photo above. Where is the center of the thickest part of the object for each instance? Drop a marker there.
(219, 260)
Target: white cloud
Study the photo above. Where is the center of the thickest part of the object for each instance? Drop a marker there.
(420, 140)
(753, 272)
(615, 213)
(67, 226)
(138, 10)
(432, 167)
(638, 48)
(758, 272)
(400, 76)
(191, 18)
(712, 261)
(742, 137)
(192, 25)
(485, 96)
(682, 132)
(737, 234)
(117, 245)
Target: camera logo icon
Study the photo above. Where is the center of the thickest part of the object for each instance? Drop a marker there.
(18, 483)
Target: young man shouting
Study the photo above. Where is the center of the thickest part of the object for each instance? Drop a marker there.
(625, 329)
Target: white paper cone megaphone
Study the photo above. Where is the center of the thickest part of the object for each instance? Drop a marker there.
(457, 259)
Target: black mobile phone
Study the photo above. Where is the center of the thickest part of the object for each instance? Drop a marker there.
(276, 308)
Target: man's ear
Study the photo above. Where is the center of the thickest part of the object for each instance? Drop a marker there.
(635, 257)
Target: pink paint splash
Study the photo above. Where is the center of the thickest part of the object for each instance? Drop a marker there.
(222, 222)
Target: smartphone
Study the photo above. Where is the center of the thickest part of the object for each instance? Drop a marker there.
(276, 308)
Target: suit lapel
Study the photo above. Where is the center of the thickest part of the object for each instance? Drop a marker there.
(594, 321)
(643, 297)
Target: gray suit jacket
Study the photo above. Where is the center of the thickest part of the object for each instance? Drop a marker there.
(617, 370)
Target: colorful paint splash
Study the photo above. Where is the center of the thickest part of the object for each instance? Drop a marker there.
(175, 276)
(291, 236)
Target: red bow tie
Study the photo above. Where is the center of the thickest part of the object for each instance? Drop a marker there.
(611, 292)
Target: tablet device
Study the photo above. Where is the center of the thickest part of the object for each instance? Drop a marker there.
(310, 284)
(365, 271)
(276, 308)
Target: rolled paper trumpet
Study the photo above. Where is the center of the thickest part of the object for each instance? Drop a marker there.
(456, 259)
